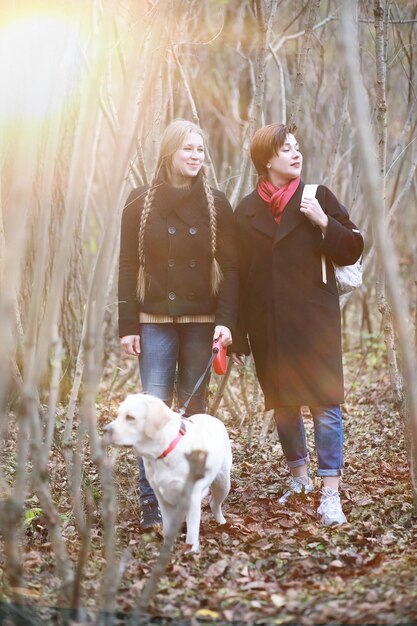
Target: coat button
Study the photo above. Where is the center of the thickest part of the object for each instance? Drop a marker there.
(191, 295)
(192, 263)
(171, 262)
(171, 295)
(172, 230)
(192, 230)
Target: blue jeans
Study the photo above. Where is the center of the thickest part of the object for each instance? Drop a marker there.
(328, 436)
(174, 353)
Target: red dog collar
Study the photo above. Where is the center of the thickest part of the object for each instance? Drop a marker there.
(174, 442)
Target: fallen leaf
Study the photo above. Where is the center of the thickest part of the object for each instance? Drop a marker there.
(217, 569)
(371, 596)
(206, 614)
(262, 544)
(23, 591)
(374, 560)
(260, 585)
(278, 600)
(286, 523)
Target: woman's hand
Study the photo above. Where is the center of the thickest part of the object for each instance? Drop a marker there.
(224, 333)
(313, 211)
(239, 359)
(131, 345)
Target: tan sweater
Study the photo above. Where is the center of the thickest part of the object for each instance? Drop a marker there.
(154, 318)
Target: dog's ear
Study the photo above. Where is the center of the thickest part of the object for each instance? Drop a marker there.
(135, 406)
(157, 416)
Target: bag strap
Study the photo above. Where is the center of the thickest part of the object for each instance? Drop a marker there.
(310, 191)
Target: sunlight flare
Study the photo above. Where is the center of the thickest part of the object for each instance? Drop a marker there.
(40, 63)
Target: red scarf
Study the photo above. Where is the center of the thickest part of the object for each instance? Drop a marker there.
(277, 197)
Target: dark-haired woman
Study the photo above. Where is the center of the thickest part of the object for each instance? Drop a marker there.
(178, 278)
(289, 307)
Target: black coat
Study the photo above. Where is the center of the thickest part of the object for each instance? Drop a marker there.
(291, 317)
(178, 257)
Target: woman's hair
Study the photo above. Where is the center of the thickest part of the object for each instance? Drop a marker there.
(172, 140)
(266, 142)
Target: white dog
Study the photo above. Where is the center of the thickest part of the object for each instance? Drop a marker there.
(163, 439)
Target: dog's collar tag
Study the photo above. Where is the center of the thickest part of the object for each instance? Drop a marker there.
(175, 441)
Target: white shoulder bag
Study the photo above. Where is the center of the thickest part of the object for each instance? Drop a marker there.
(348, 277)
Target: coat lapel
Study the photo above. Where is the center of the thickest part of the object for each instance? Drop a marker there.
(261, 216)
(263, 220)
(291, 217)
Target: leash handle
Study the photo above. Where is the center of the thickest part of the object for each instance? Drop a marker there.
(219, 363)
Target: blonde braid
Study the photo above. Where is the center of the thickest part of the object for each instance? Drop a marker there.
(216, 272)
(147, 206)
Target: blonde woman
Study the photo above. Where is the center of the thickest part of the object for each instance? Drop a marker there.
(178, 278)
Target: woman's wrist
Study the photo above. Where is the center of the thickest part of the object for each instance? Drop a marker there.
(324, 223)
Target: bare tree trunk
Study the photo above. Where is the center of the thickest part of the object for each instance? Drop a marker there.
(11, 513)
(12, 507)
(40, 469)
(282, 92)
(384, 247)
(302, 57)
(264, 29)
(380, 13)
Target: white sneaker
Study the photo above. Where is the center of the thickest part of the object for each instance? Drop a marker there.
(330, 508)
(297, 485)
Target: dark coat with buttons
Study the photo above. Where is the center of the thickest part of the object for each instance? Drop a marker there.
(291, 317)
(178, 257)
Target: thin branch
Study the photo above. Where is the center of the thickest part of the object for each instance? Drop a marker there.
(221, 389)
(193, 108)
(197, 460)
(301, 33)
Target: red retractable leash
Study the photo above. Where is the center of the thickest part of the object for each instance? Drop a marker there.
(220, 352)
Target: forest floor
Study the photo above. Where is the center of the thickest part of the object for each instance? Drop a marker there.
(268, 564)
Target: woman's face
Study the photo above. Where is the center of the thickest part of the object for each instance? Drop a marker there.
(188, 160)
(287, 164)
